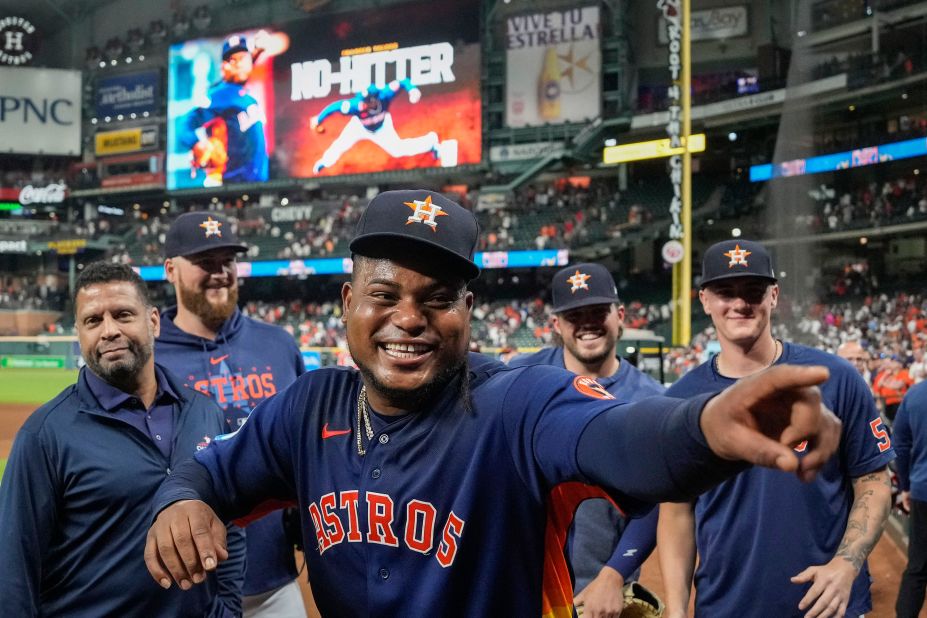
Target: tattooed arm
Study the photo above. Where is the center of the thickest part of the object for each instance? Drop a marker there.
(831, 582)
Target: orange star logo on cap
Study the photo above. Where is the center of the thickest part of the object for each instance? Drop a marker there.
(425, 212)
(212, 227)
(578, 281)
(738, 256)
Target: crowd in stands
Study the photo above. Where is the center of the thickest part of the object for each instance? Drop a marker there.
(873, 204)
(33, 292)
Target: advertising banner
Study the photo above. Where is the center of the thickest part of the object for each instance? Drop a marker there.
(553, 70)
(386, 89)
(717, 24)
(128, 94)
(125, 140)
(40, 111)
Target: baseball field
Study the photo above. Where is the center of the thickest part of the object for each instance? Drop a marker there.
(23, 390)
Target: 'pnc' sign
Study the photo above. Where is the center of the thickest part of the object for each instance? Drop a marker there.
(40, 111)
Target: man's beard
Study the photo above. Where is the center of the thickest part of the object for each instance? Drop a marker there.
(414, 399)
(213, 315)
(122, 374)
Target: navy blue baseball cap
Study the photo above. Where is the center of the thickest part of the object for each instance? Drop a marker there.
(193, 232)
(581, 285)
(400, 224)
(729, 259)
(233, 44)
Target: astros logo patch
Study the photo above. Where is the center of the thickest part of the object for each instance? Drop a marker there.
(590, 388)
(212, 227)
(425, 212)
(738, 256)
(578, 281)
(204, 443)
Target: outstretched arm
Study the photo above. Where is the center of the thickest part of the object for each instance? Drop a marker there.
(676, 540)
(652, 451)
(831, 583)
(345, 106)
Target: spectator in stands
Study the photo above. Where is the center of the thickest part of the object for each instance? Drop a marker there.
(76, 493)
(853, 352)
(891, 384)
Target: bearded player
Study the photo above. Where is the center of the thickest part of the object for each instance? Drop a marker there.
(239, 362)
(371, 120)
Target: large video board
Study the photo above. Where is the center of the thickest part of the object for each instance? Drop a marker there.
(357, 93)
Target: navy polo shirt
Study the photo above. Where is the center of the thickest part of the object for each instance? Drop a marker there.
(156, 422)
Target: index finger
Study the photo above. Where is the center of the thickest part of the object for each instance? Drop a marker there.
(792, 378)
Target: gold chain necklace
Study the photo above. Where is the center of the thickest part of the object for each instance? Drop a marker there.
(363, 419)
(776, 354)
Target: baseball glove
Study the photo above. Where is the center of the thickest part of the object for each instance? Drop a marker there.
(210, 154)
(639, 602)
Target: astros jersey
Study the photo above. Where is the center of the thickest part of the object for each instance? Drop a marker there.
(760, 528)
(248, 362)
(447, 513)
(598, 526)
(244, 120)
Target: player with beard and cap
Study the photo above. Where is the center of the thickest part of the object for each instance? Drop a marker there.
(605, 549)
(767, 545)
(426, 478)
(239, 362)
(76, 493)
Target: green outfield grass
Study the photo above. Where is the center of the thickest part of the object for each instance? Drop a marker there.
(33, 385)
(2, 466)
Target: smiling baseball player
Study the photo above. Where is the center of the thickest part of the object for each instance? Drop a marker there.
(425, 477)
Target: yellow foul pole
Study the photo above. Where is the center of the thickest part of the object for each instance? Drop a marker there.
(682, 270)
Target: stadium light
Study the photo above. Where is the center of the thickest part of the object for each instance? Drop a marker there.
(736, 232)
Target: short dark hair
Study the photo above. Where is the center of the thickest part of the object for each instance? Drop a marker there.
(106, 272)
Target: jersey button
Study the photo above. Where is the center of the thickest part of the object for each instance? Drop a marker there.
(375, 473)
(384, 573)
(384, 438)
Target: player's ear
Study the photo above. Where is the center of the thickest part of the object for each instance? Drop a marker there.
(468, 298)
(702, 297)
(555, 324)
(170, 270)
(774, 293)
(346, 298)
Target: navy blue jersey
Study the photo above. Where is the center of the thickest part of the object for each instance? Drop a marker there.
(600, 535)
(248, 362)
(910, 434)
(244, 121)
(757, 530)
(451, 509)
(75, 507)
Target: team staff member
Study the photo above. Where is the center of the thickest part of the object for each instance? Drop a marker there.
(75, 501)
(770, 546)
(910, 434)
(237, 361)
(588, 321)
(425, 482)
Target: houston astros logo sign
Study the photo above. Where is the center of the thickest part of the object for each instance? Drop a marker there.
(577, 281)
(738, 256)
(212, 227)
(424, 212)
